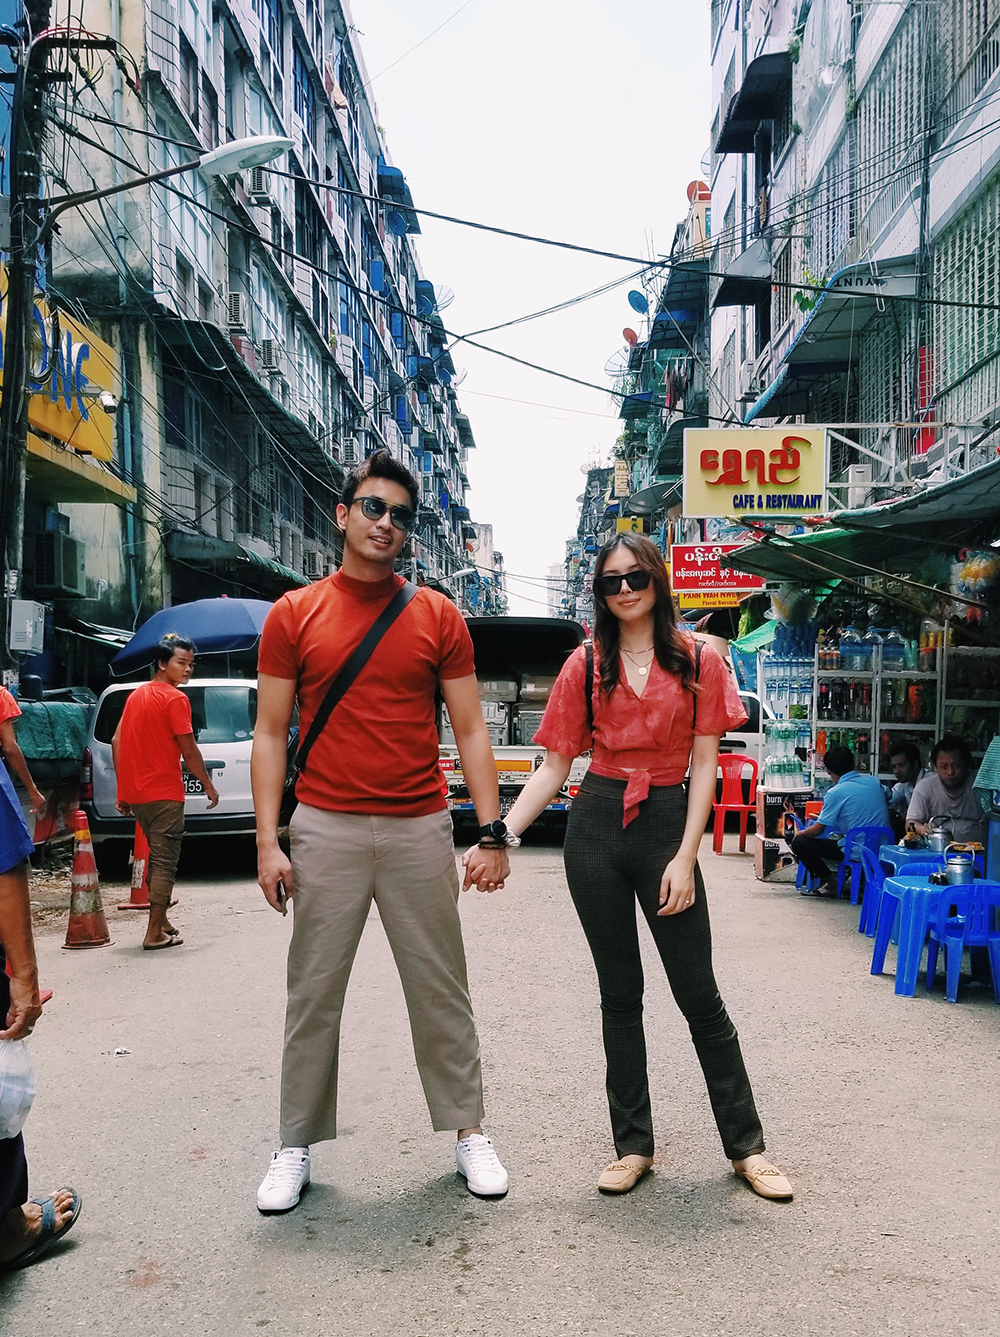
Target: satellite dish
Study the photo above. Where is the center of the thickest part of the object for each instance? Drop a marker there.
(617, 364)
(698, 190)
(396, 223)
(630, 337)
(444, 297)
(460, 375)
(637, 302)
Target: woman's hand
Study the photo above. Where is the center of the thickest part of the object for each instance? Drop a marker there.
(486, 869)
(677, 885)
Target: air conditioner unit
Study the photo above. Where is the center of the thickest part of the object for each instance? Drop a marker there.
(315, 563)
(753, 377)
(59, 564)
(259, 185)
(270, 354)
(236, 309)
(859, 482)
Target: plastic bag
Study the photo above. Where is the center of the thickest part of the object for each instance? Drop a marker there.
(17, 1086)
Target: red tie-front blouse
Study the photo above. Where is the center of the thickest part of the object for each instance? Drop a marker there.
(646, 739)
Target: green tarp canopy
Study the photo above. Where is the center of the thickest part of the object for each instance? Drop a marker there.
(52, 730)
(826, 556)
(755, 640)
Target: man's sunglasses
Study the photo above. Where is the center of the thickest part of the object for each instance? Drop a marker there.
(400, 516)
(609, 586)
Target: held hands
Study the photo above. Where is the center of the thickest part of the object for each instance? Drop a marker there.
(274, 866)
(486, 869)
(677, 886)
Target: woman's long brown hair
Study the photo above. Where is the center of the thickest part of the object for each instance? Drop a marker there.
(672, 653)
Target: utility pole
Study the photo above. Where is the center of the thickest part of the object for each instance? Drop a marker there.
(26, 131)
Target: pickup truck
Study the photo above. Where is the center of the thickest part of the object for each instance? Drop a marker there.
(516, 659)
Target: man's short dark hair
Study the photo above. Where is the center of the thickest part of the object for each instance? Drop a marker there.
(169, 645)
(908, 750)
(839, 760)
(954, 746)
(380, 465)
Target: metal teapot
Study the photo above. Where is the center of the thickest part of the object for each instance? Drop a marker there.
(959, 864)
(940, 838)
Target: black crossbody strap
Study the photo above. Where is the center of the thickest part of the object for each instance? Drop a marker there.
(355, 663)
(697, 678)
(588, 650)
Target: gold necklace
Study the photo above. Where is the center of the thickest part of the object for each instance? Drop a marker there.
(643, 669)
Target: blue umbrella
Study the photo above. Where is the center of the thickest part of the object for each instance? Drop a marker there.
(217, 626)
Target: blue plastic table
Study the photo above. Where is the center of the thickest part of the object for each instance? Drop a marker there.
(898, 856)
(918, 906)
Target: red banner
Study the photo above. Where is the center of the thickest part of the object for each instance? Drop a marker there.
(700, 578)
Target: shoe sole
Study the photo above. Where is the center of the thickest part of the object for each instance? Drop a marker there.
(475, 1192)
(283, 1211)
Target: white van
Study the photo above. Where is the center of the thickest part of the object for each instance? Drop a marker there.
(223, 713)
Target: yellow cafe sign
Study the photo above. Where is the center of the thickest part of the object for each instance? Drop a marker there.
(772, 473)
(70, 368)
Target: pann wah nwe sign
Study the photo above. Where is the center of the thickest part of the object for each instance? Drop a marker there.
(778, 472)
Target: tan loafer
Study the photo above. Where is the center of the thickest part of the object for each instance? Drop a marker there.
(767, 1182)
(621, 1177)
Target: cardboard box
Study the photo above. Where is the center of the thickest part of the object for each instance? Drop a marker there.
(771, 858)
(497, 689)
(772, 804)
(537, 688)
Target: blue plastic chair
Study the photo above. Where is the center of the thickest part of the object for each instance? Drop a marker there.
(965, 918)
(872, 900)
(804, 880)
(888, 911)
(857, 839)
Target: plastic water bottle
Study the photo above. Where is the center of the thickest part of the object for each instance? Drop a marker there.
(850, 650)
(894, 652)
(869, 641)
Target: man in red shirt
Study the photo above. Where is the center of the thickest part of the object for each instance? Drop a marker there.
(155, 732)
(372, 824)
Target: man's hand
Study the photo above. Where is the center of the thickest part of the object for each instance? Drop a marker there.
(677, 890)
(124, 808)
(213, 795)
(25, 1009)
(36, 798)
(487, 870)
(274, 866)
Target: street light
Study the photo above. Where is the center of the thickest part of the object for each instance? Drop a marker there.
(26, 243)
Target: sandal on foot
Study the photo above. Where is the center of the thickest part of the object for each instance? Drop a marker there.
(159, 946)
(48, 1234)
(621, 1177)
(767, 1182)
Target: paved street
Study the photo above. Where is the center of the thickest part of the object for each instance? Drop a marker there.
(883, 1111)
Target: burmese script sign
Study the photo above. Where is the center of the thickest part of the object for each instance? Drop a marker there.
(765, 472)
(700, 578)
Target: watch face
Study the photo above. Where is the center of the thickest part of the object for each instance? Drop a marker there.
(499, 829)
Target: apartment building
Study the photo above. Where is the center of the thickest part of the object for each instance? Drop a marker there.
(273, 327)
(856, 189)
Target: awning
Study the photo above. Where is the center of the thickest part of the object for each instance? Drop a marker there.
(655, 498)
(637, 406)
(392, 186)
(204, 550)
(747, 278)
(111, 637)
(426, 299)
(670, 452)
(189, 338)
(61, 475)
(755, 640)
(467, 440)
(673, 329)
(965, 510)
(767, 83)
(832, 554)
(686, 288)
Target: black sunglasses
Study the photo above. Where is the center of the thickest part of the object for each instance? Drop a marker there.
(400, 516)
(609, 586)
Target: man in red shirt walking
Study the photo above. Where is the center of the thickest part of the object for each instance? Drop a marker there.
(155, 732)
(372, 824)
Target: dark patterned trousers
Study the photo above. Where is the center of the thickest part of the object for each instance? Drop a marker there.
(608, 868)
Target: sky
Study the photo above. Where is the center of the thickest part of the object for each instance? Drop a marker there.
(578, 120)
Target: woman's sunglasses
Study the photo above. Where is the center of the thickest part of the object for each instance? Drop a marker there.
(609, 586)
(400, 516)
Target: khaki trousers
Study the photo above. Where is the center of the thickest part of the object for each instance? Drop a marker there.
(162, 824)
(342, 862)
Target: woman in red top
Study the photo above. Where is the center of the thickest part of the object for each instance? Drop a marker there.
(659, 702)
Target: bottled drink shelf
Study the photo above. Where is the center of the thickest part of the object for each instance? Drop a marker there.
(971, 701)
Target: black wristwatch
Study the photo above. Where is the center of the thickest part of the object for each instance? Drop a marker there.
(494, 833)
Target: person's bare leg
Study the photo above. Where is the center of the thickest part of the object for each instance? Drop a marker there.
(156, 929)
(467, 1132)
(21, 1226)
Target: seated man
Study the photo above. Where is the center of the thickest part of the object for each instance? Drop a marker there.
(906, 767)
(948, 793)
(853, 800)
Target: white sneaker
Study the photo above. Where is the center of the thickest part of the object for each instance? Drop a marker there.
(479, 1163)
(287, 1176)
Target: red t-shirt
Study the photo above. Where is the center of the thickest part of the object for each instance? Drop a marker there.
(149, 755)
(645, 739)
(379, 751)
(9, 709)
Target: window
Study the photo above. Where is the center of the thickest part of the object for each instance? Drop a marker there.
(308, 226)
(189, 79)
(303, 95)
(272, 44)
(185, 287)
(209, 114)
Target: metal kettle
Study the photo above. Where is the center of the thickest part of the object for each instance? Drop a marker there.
(959, 864)
(938, 839)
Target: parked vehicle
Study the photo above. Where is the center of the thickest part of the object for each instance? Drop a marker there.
(223, 712)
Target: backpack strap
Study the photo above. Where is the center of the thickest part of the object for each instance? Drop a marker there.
(697, 678)
(588, 688)
(350, 670)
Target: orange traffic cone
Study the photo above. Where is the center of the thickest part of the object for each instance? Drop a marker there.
(139, 899)
(87, 925)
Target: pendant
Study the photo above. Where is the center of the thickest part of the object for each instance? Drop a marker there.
(644, 671)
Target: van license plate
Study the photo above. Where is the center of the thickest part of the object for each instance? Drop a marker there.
(192, 785)
(506, 804)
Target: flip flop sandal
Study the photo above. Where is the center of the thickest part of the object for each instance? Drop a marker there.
(159, 946)
(48, 1234)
